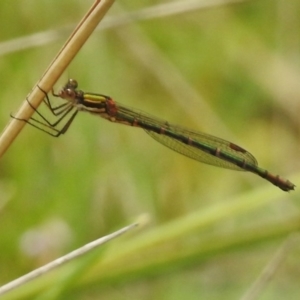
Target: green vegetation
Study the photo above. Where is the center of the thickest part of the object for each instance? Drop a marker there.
(206, 233)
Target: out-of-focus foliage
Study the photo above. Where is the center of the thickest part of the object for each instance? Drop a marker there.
(229, 70)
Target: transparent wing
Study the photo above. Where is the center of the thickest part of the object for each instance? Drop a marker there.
(144, 120)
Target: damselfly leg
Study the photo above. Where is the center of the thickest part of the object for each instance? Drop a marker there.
(65, 111)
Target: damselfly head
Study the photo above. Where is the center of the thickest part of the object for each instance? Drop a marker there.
(69, 92)
(71, 84)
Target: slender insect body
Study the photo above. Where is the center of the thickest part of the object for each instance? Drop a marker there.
(196, 145)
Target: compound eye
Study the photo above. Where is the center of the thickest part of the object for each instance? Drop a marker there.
(71, 93)
(72, 83)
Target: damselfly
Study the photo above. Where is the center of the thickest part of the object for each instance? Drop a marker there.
(199, 146)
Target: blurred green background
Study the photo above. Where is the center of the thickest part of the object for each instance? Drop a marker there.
(206, 233)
